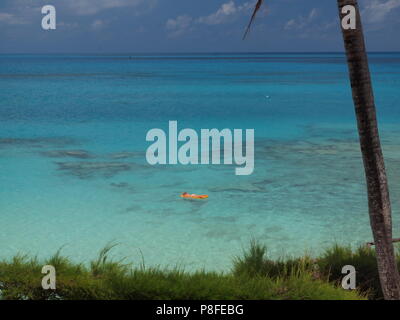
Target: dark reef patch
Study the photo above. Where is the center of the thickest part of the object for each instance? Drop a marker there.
(223, 219)
(127, 155)
(123, 186)
(132, 209)
(37, 142)
(119, 185)
(86, 170)
(78, 154)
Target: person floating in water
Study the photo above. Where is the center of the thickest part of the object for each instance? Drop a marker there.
(186, 195)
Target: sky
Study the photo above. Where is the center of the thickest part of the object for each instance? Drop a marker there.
(167, 26)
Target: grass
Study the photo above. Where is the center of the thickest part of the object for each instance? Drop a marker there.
(253, 276)
(327, 267)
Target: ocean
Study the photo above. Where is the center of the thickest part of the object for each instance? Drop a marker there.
(74, 173)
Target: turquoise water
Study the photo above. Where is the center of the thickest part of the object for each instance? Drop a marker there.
(74, 174)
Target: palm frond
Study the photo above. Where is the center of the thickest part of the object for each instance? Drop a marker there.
(258, 6)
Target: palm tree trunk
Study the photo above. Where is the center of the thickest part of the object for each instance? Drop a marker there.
(378, 193)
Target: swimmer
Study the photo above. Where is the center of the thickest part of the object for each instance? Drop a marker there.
(193, 196)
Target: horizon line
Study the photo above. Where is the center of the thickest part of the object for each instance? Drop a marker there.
(185, 53)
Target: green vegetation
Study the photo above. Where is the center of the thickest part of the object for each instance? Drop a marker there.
(327, 267)
(253, 276)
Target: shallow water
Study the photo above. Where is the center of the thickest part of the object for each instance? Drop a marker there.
(72, 154)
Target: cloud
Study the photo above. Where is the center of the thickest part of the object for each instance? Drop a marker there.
(376, 11)
(179, 26)
(314, 25)
(178, 23)
(67, 25)
(83, 7)
(11, 19)
(90, 7)
(227, 13)
(98, 24)
(6, 17)
(302, 22)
